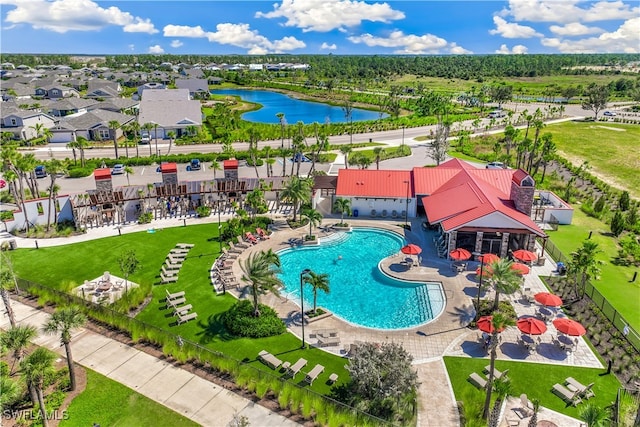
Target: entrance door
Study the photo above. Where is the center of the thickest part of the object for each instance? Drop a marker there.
(491, 246)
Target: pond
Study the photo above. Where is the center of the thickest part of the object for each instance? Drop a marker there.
(295, 110)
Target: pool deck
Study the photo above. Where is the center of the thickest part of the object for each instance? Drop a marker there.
(448, 334)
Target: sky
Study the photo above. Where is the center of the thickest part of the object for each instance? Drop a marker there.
(339, 27)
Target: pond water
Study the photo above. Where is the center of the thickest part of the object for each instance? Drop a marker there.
(295, 110)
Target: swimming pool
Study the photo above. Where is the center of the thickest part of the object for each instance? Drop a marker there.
(359, 292)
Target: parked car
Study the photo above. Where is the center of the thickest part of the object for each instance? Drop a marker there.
(41, 171)
(301, 157)
(610, 113)
(194, 165)
(117, 169)
(145, 138)
(496, 114)
(496, 165)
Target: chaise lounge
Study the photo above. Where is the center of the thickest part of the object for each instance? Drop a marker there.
(313, 374)
(269, 359)
(477, 380)
(570, 397)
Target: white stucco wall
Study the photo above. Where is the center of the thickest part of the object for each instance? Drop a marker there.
(365, 205)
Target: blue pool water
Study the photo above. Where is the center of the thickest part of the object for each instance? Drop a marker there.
(359, 292)
(295, 110)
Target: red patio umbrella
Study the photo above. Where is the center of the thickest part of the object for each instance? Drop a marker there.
(569, 327)
(531, 326)
(525, 256)
(488, 258)
(520, 268)
(460, 254)
(550, 300)
(484, 271)
(411, 249)
(485, 324)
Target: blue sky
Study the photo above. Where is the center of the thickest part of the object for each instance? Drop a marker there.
(343, 27)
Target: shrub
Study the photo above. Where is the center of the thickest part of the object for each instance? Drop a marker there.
(80, 172)
(145, 218)
(240, 321)
(203, 211)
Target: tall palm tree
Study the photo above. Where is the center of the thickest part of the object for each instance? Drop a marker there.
(584, 265)
(260, 271)
(283, 124)
(345, 150)
(215, 165)
(314, 216)
(128, 170)
(63, 321)
(296, 191)
(343, 206)
(148, 127)
(378, 152)
(134, 126)
(114, 125)
(55, 168)
(254, 137)
(502, 388)
(82, 143)
(504, 279)
(500, 322)
(16, 339)
(34, 369)
(171, 135)
(319, 282)
(7, 281)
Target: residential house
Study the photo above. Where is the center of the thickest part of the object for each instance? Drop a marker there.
(92, 125)
(150, 86)
(198, 88)
(24, 123)
(193, 73)
(103, 89)
(169, 110)
(55, 91)
(68, 106)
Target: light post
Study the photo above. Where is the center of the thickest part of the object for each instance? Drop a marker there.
(479, 255)
(302, 274)
(403, 135)
(406, 210)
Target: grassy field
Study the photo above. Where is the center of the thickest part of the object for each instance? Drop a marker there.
(614, 280)
(535, 380)
(612, 150)
(109, 403)
(88, 260)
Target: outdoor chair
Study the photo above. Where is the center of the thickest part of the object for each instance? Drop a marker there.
(178, 251)
(183, 310)
(241, 243)
(296, 367)
(269, 359)
(172, 266)
(496, 373)
(526, 405)
(183, 319)
(175, 295)
(184, 245)
(262, 234)
(168, 279)
(582, 390)
(173, 303)
(570, 397)
(235, 248)
(313, 374)
(477, 380)
(250, 237)
(328, 341)
(168, 272)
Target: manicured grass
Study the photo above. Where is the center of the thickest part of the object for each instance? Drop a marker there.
(614, 280)
(612, 154)
(109, 403)
(88, 260)
(536, 380)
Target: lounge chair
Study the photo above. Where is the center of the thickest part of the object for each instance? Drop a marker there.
(172, 266)
(328, 341)
(269, 359)
(176, 260)
(183, 319)
(235, 249)
(184, 245)
(183, 310)
(496, 373)
(296, 367)
(477, 380)
(250, 238)
(178, 251)
(241, 243)
(526, 405)
(168, 279)
(576, 386)
(175, 295)
(262, 234)
(173, 303)
(169, 272)
(228, 254)
(313, 374)
(570, 397)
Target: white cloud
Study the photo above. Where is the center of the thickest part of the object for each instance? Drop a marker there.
(327, 15)
(567, 11)
(157, 49)
(74, 15)
(409, 44)
(624, 39)
(510, 30)
(176, 43)
(458, 50)
(240, 35)
(574, 29)
(326, 46)
(517, 49)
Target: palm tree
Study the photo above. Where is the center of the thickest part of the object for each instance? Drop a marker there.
(215, 165)
(148, 127)
(499, 322)
(314, 217)
(296, 191)
(345, 150)
(343, 206)
(114, 125)
(7, 281)
(81, 144)
(584, 265)
(34, 369)
(16, 339)
(254, 137)
(62, 321)
(594, 416)
(378, 152)
(283, 124)
(504, 279)
(171, 135)
(319, 282)
(55, 167)
(10, 392)
(260, 271)
(502, 387)
(128, 170)
(134, 126)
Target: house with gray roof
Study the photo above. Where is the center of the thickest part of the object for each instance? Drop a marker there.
(198, 88)
(170, 110)
(55, 91)
(93, 125)
(103, 89)
(23, 123)
(68, 106)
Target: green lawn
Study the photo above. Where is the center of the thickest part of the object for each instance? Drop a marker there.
(109, 403)
(88, 260)
(536, 380)
(613, 154)
(614, 280)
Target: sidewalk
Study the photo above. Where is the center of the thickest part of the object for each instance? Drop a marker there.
(197, 399)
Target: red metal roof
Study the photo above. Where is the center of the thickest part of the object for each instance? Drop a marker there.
(103, 173)
(171, 167)
(230, 164)
(374, 183)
